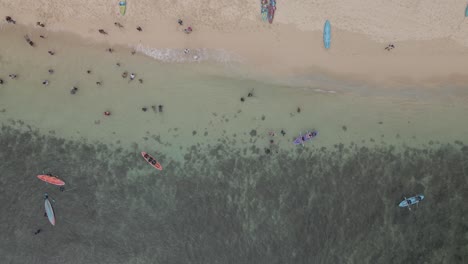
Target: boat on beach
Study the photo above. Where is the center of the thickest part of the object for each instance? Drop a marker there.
(271, 10)
(264, 9)
(327, 34)
(309, 135)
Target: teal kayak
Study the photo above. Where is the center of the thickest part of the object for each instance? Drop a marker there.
(466, 11)
(327, 34)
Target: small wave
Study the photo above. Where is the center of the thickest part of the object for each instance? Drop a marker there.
(324, 91)
(192, 55)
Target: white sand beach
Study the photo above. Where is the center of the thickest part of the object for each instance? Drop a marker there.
(431, 37)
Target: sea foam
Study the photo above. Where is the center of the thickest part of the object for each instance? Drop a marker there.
(193, 55)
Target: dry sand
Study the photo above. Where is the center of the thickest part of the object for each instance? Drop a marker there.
(431, 37)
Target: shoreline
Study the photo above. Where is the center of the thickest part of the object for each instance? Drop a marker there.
(283, 50)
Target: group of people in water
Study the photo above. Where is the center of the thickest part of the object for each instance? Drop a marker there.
(74, 90)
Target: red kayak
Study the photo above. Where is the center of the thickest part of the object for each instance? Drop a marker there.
(51, 179)
(151, 161)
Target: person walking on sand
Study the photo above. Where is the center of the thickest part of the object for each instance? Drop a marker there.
(30, 42)
(10, 20)
(180, 22)
(188, 30)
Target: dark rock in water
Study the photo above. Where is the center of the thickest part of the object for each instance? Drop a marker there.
(267, 151)
(298, 109)
(242, 99)
(144, 109)
(380, 122)
(206, 133)
(194, 133)
(344, 128)
(253, 133)
(160, 107)
(263, 117)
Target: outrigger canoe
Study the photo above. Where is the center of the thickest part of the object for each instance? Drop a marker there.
(411, 201)
(151, 161)
(271, 10)
(51, 179)
(306, 137)
(49, 210)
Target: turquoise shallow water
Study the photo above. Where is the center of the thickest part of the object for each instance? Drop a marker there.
(226, 194)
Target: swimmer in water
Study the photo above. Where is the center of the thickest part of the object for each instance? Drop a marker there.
(124, 75)
(12, 76)
(51, 71)
(107, 113)
(1, 81)
(51, 52)
(132, 76)
(98, 83)
(74, 90)
(46, 82)
(160, 107)
(88, 71)
(140, 80)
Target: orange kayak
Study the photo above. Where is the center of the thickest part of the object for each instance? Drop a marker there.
(151, 161)
(51, 179)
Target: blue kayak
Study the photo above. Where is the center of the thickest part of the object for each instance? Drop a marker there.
(411, 201)
(466, 11)
(327, 34)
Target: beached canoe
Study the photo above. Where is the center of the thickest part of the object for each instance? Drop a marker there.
(327, 34)
(264, 9)
(153, 162)
(49, 211)
(271, 10)
(123, 6)
(411, 201)
(51, 179)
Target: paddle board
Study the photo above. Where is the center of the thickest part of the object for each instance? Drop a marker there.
(327, 34)
(123, 7)
(411, 201)
(50, 212)
(51, 179)
(151, 161)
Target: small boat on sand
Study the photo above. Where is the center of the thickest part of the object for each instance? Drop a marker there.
(264, 9)
(271, 10)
